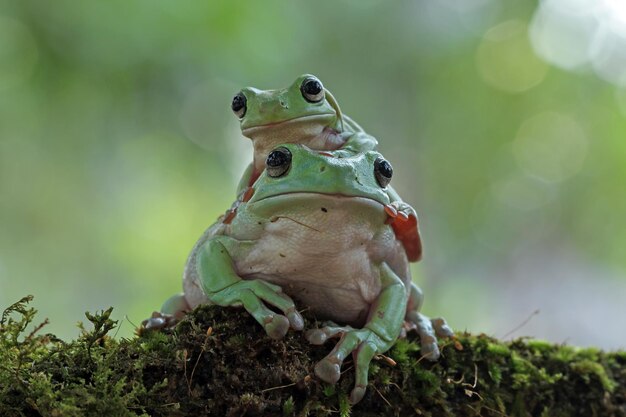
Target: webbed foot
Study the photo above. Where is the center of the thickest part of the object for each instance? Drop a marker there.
(364, 344)
(428, 331)
(252, 294)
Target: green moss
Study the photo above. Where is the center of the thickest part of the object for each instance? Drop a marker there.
(498, 349)
(233, 369)
(523, 371)
(289, 407)
(540, 346)
(591, 354)
(402, 351)
(588, 369)
(495, 372)
(329, 390)
(344, 405)
(564, 353)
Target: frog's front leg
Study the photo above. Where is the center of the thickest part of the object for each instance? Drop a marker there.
(222, 286)
(427, 329)
(245, 181)
(377, 336)
(403, 220)
(403, 211)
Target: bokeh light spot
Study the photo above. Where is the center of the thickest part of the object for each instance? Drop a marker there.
(575, 33)
(522, 192)
(18, 53)
(562, 37)
(550, 146)
(608, 57)
(506, 61)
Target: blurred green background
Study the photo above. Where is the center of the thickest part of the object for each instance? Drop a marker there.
(505, 122)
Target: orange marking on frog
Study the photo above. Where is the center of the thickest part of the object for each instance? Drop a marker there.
(407, 232)
(326, 153)
(391, 211)
(230, 215)
(403, 216)
(255, 176)
(247, 195)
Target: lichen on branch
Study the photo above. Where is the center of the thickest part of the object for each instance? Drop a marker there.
(218, 361)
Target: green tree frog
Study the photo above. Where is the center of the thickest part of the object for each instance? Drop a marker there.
(315, 229)
(308, 114)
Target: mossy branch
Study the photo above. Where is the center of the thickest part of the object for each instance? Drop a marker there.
(219, 362)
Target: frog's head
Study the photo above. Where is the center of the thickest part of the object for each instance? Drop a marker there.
(304, 108)
(297, 170)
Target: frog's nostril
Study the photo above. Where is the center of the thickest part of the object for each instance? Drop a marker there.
(283, 103)
(322, 168)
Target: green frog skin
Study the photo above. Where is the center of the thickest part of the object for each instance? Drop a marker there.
(308, 114)
(304, 113)
(315, 230)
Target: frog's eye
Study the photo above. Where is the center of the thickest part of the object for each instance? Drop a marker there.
(312, 90)
(278, 162)
(239, 105)
(383, 171)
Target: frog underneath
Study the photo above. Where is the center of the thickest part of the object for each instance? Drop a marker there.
(316, 231)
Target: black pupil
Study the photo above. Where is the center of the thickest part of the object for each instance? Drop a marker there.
(239, 102)
(385, 169)
(277, 158)
(312, 87)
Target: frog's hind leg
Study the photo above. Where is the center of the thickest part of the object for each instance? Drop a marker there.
(427, 329)
(383, 326)
(172, 311)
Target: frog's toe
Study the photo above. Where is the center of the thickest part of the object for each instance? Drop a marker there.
(295, 319)
(158, 321)
(276, 326)
(427, 333)
(321, 335)
(328, 370)
(272, 294)
(316, 336)
(357, 394)
(362, 357)
(400, 211)
(441, 327)
(430, 351)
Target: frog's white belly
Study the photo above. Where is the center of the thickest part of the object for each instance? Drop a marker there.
(326, 254)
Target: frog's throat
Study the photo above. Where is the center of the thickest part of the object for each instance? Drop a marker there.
(323, 120)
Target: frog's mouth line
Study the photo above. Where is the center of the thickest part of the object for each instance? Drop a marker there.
(368, 200)
(313, 117)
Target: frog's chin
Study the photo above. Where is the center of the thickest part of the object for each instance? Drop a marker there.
(302, 126)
